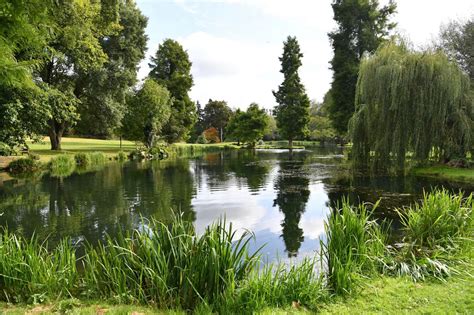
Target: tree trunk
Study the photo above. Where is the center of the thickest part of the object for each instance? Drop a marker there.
(56, 131)
(290, 143)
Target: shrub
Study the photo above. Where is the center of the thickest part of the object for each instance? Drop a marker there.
(62, 165)
(23, 165)
(82, 159)
(211, 135)
(201, 140)
(5, 149)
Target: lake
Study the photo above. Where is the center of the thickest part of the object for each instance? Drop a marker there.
(284, 199)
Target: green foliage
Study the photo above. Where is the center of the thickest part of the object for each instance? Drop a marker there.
(320, 127)
(457, 41)
(30, 272)
(168, 266)
(434, 231)
(103, 91)
(62, 165)
(82, 159)
(201, 140)
(5, 149)
(216, 114)
(354, 247)
(121, 156)
(278, 285)
(171, 68)
(23, 165)
(420, 99)
(148, 112)
(291, 113)
(248, 126)
(361, 27)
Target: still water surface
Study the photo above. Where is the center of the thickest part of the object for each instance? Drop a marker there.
(284, 199)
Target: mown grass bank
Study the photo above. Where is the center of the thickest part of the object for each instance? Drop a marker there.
(445, 172)
(170, 267)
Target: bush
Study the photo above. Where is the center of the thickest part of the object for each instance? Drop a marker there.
(201, 140)
(82, 159)
(23, 165)
(5, 149)
(62, 165)
(211, 135)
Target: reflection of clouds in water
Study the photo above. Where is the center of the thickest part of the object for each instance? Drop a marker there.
(255, 212)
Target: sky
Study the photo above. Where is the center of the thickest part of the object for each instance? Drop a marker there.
(234, 45)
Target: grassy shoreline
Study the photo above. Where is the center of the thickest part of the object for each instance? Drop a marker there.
(170, 267)
(465, 175)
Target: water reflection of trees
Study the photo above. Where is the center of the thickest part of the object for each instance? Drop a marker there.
(93, 204)
(292, 187)
(224, 169)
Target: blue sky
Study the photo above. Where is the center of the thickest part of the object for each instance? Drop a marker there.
(235, 44)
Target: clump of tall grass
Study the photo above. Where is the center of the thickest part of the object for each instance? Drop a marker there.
(31, 273)
(435, 232)
(278, 285)
(168, 265)
(121, 156)
(98, 158)
(354, 247)
(24, 165)
(83, 159)
(62, 165)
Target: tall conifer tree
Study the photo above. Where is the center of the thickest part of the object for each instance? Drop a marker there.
(292, 111)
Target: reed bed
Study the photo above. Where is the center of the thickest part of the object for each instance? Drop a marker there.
(30, 273)
(354, 247)
(436, 232)
(168, 266)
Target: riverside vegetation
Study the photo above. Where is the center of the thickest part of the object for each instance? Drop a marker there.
(170, 266)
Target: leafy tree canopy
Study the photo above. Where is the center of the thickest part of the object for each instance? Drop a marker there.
(217, 114)
(148, 111)
(361, 27)
(409, 101)
(248, 126)
(171, 68)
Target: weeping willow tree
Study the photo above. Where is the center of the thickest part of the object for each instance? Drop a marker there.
(410, 104)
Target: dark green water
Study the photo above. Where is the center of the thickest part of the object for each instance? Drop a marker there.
(283, 199)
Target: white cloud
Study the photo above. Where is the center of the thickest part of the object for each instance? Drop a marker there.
(242, 70)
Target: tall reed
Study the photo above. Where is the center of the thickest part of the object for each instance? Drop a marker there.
(278, 285)
(168, 265)
(435, 230)
(354, 247)
(31, 273)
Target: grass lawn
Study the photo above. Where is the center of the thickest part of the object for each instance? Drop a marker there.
(74, 145)
(446, 172)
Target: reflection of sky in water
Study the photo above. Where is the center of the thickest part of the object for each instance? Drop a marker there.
(255, 211)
